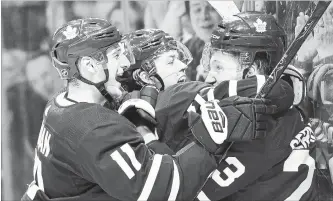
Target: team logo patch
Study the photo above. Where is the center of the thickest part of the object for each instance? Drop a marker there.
(303, 139)
(245, 57)
(70, 32)
(260, 26)
(215, 36)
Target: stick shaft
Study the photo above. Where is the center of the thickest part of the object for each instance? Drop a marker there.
(293, 49)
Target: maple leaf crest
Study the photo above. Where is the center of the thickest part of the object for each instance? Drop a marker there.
(70, 32)
(260, 26)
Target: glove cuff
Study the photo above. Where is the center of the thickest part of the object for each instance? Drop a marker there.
(149, 137)
(199, 131)
(149, 94)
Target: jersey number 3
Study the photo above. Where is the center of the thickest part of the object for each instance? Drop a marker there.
(231, 175)
(296, 159)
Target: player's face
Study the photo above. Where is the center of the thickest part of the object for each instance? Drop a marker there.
(170, 68)
(203, 18)
(223, 67)
(118, 56)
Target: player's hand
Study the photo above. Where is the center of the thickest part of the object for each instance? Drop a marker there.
(139, 107)
(233, 119)
(248, 117)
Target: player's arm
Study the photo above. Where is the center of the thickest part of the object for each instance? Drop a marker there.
(245, 87)
(115, 157)
(160, 147)
(152, 141)
(282, 94)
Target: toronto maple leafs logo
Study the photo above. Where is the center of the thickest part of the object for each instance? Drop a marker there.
(70, 32)
(260, 26)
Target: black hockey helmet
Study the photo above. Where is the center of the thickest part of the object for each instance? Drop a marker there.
(78, 38)
(86, 37)
(247, 34)
(147, 44)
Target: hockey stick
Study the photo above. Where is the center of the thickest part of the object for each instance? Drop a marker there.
(225, 8)
(290, 53)
(293, 49)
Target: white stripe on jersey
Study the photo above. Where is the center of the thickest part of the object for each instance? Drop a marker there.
(32, 190)
(126, 148)
(122, 164)
(202, 196)
(199, 99)
(260, 81)
(232, 88)
(149, 137)
(39, 174)
(175, 183)
(46, 112)
(155, 167)
(210, 94)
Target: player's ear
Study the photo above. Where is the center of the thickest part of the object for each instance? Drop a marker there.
(87, 65)
(253, 70)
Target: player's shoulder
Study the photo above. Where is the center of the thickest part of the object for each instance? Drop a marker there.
(75, 121)
(171, 106)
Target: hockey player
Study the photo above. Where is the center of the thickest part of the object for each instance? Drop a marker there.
(250, 44)
(160, 60)
(88, 152)
(247, 44)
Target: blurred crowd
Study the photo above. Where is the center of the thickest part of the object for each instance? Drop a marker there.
(29, 80)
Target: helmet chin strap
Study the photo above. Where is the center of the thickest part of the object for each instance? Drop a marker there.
(100, 86)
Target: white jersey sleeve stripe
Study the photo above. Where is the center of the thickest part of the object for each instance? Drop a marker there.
(149, 137)
(260, 81)
(199, 99)
(155, 167)
(32, 190)
(202, 196)
(126, 148)
(122, 164)
(232, 88)
(210, 94)
(39, 174)
(175, 183)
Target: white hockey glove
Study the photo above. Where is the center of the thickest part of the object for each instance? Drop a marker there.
(139, 107)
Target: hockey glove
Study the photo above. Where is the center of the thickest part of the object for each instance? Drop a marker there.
(139, 107)
(233, 119)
